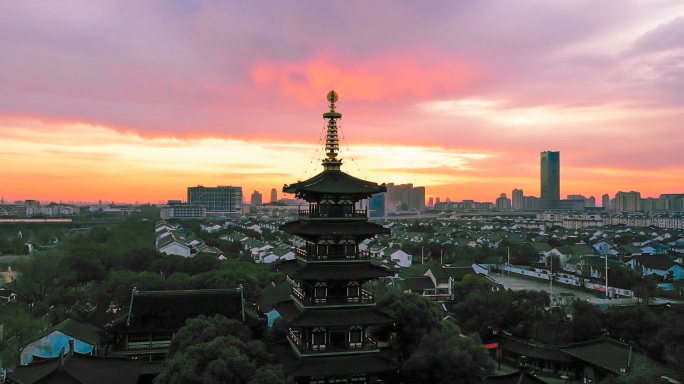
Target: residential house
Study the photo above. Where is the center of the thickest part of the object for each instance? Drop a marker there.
(79, 368)
(657, 264)
(83, 338)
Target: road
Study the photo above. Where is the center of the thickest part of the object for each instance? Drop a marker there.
(519, 283)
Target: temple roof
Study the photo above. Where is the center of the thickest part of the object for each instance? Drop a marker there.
(341, 272)
(294, 317)
(320, 228)
(168, 310)
(342, 366)
(335, 182)
(79, 368)
(605, 353)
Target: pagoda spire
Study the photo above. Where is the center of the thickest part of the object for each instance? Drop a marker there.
(332, 141)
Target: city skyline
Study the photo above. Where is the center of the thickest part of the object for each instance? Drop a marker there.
(128, 119)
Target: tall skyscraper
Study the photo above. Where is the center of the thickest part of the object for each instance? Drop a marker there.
(256, 198)
(221, 199)
(518, 199)
(437, 200)
(274, 195)
(605, 201)
(431, 202)
(550, 179)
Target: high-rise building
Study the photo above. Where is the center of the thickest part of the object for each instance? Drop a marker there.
(221, 199)
(550, 179)
(431, 202)
(256, 199)
(274, 195)
(605, 201)
(590, 202)
(404, 196)
(503, 203)
(628, 202)
(329, 316)
(377, 205)
(417, 200)
(531, 203)
(437, 200)
(518, 199)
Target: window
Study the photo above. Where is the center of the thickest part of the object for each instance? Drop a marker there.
(355, 339)
(353, 291)
(319, 338)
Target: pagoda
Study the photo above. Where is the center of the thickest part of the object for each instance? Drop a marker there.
(329, 315)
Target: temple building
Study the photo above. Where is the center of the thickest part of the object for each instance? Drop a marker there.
(329, 316)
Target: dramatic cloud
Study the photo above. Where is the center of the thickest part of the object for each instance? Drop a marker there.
(134, 98)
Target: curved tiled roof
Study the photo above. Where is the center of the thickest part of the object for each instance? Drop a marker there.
(294, 317)
(335, 182)
(605, 353)
(341, 272)
(342, 366)
(319, 228)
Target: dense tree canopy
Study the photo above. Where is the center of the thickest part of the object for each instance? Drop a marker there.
(218, 350)
(415, 317)
(444, 356)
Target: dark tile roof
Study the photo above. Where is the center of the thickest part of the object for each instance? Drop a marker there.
(659, 262)
(288, 267)
(439, 273)
(83, 332)
(339, 366)
(354, 228)
(294, 317)
(79, 368)
(358, 271)
(419, 284)
(534, 351)
(540, 246)
(604, 353)
(168, 310)
(271, 295)
(335, 182)
(458, 273)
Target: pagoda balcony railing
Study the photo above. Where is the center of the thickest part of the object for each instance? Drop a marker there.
(360, 255)
(367, 343)
(364, 298)
(316, 214)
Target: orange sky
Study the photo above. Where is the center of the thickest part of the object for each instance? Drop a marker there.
(136, 101)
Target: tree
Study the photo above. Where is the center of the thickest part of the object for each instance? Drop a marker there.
(640, 371)
(18, 328)
(218, 350)
(587, 323)
(444, 356)
(38, 277)
(415, 317)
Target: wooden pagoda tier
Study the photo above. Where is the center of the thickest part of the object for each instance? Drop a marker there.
(329, 316)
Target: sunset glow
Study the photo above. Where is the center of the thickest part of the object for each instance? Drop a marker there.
(137, 100)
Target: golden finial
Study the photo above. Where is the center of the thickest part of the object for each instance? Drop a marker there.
(332, 144)
(333, 97)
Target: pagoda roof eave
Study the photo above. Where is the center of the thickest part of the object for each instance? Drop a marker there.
(364, 271)
(296, 317)
(335, 182)
(322, 228)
